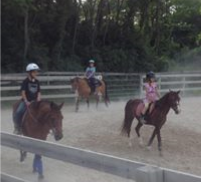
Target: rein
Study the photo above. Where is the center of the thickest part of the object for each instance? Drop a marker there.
(28, 110)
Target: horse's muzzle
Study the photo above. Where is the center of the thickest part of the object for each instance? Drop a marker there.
(177, 111)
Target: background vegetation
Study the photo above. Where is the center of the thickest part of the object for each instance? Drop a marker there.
(120, 35)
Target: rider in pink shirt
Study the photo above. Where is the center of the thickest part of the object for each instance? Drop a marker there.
(152, 94)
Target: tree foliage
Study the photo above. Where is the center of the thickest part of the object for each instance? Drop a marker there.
(121, 35)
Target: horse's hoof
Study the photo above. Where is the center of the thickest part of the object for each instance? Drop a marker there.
(23, 156)
(141, 143)
(148, 148)
(160, 153)
(40, 176)
(34, 171)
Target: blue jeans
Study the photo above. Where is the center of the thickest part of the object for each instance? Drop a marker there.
(92, 84)
(19, 114)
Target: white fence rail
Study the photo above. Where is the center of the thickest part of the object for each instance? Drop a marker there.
(101, 162)
(188, 84)
(57, 84)
(9, 178)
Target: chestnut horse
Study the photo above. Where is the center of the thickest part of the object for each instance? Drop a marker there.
(157, 117)
(37, 121)
(83, 90)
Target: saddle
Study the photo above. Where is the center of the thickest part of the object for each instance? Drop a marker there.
(149, 110)
(93, 84)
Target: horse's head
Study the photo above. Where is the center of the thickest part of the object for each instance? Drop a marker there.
(55, 120)
(174, 100)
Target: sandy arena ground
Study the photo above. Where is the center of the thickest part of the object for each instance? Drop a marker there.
(99, 130)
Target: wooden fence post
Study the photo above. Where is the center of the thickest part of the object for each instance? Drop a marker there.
(183, 85)
(149, 174)
(141, 85)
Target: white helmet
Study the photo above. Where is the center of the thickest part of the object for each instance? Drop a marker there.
(91, 61)
(32, 67)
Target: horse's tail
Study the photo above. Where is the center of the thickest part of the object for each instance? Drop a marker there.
(107, 100)
(128, 118)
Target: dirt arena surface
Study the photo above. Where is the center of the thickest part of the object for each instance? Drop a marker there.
(99, 130)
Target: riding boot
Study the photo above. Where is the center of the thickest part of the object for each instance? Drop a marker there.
(17, 118)
(17, 127)
(17, 130)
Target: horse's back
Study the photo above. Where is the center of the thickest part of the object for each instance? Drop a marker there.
(102, 86)
(135, 105)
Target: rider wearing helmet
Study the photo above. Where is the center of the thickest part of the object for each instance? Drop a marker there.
(30, 91)
(90, 75)
(152, 94)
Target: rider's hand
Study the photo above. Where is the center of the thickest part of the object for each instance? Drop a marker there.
(27, 103)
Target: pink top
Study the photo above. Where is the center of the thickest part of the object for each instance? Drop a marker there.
(151, 93)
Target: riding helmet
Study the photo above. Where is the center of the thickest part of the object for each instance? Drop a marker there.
(150, 75)
(91, 61)
(32, 67)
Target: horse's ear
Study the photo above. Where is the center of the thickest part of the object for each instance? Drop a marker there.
(178, 92)
(55, 106)
(61, 105)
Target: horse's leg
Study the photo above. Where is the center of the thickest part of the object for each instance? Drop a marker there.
(23, 155)
(128, 119)
(100, 96)
(159, 139)
(77, 99)
(87, 100)
(137, 129)
(38, 166)
(97, 100)
(151, 139)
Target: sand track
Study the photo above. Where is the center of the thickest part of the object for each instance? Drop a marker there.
(99, 130)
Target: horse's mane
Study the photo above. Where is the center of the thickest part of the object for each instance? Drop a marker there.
(77, 78)
(40, 114)
(162, 100)
(37, 105)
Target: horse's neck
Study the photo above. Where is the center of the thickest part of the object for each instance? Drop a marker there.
(164, 104)
(82, 83)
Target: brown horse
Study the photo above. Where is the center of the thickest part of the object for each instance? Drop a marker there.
(157, 117)
(83, 90)
(37, 121)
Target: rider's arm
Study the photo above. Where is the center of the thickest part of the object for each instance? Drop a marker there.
(23, 91)
(38, 93)
(38, 96)
(146, 87)
(157, 92)
(86, 71)
(24, 97)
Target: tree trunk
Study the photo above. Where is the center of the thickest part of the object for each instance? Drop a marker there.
(64, 9)
(76, 24)
(26, 35)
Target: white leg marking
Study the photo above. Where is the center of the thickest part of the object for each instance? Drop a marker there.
(149, 148)
(140, 140)
(130, 140)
